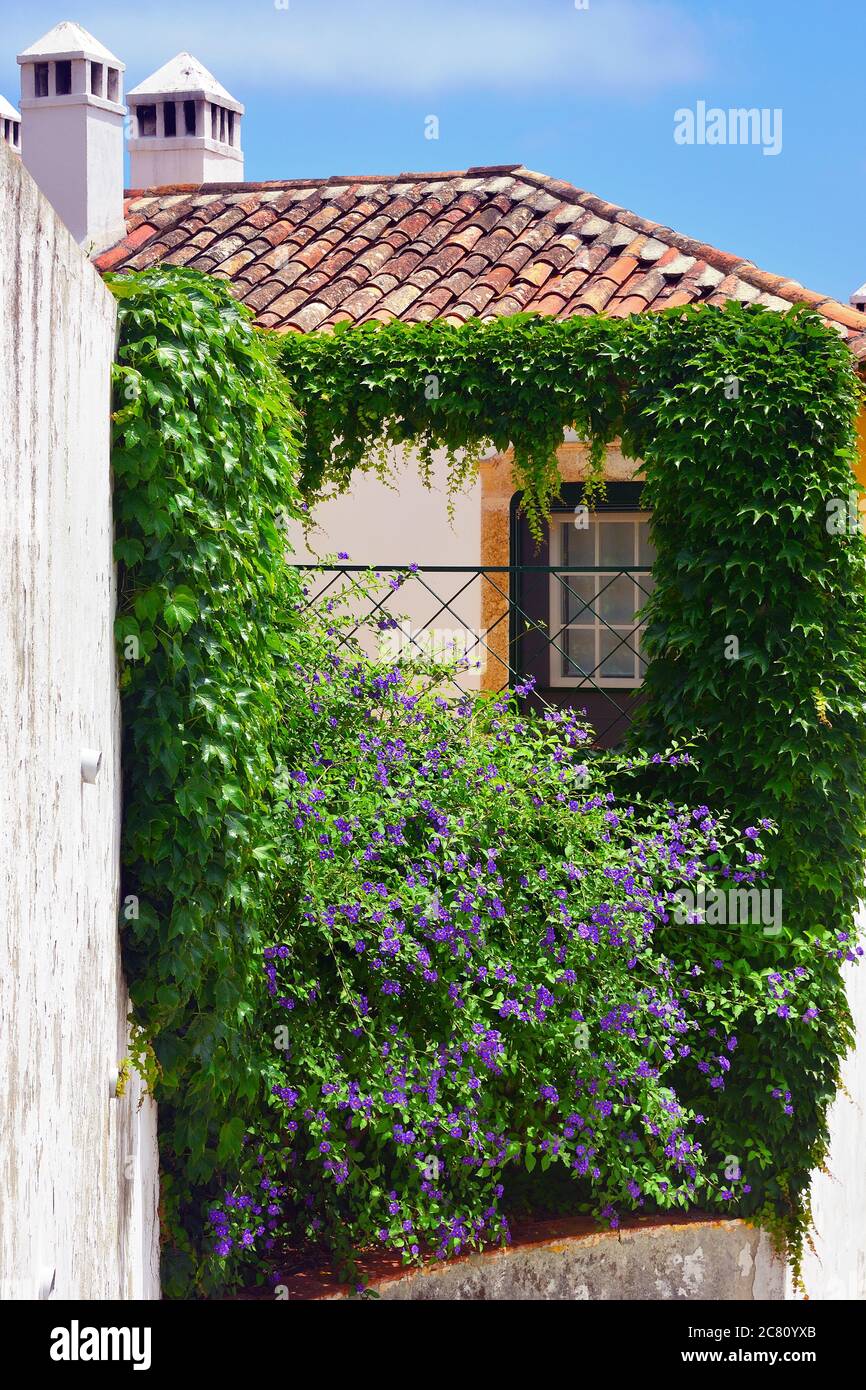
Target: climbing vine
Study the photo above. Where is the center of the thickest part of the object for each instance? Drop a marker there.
(204, 461)
(515, 382)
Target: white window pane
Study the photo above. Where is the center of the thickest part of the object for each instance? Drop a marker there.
(578, 598)
(644, 586)
(594, 616)
(616, 543)
(637, 641)
(617, 600)
(617, 660)
(645, 549)
(577, 546)
(579, 658)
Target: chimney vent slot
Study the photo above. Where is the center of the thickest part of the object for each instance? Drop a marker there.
(170, 116)
(113, 84)
(63, 77)
(40, 77)
(97, 79)
(189, 117)
(146, 121)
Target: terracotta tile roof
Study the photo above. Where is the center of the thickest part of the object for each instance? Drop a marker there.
(310, 253)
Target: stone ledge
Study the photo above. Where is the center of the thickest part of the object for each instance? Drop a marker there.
(649, 1258)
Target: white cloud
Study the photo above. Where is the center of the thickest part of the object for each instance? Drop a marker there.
(399, 46)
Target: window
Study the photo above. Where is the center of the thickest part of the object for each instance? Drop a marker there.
(601, 581)
(63, 77)
(146, 121)
(170, 118)
(40, 79)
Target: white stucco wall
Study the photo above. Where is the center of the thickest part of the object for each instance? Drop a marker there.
(398, 521)
(74, 150)
(156, 163)
(403, 522)
(836, 1268)
(77, 1167)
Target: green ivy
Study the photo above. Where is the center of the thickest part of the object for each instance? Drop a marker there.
(516, 381)
(757, 637)
(204, 460)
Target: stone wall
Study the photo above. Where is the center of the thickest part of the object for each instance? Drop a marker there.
(78, 1165)
(649, 1259)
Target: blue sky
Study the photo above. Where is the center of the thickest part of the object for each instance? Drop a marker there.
(587, 95)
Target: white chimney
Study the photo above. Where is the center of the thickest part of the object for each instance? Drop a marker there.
(10, 125)
(858, 299)
(72, 117)
(185, 128)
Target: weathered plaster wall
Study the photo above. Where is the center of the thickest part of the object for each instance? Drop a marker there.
(77, 1167)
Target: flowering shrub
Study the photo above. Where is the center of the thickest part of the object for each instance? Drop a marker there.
(477, 985)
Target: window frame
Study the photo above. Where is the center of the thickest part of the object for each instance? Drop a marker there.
(559, 624)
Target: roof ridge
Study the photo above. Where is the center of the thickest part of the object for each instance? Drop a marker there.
(432, 175)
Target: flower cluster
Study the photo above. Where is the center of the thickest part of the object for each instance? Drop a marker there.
(246, 1221)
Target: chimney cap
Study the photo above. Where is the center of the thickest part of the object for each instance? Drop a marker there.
(858, 298)
(7, 110)
(69, 40)
(184, 75)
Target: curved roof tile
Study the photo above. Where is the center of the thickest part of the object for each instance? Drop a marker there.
(310, 253)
